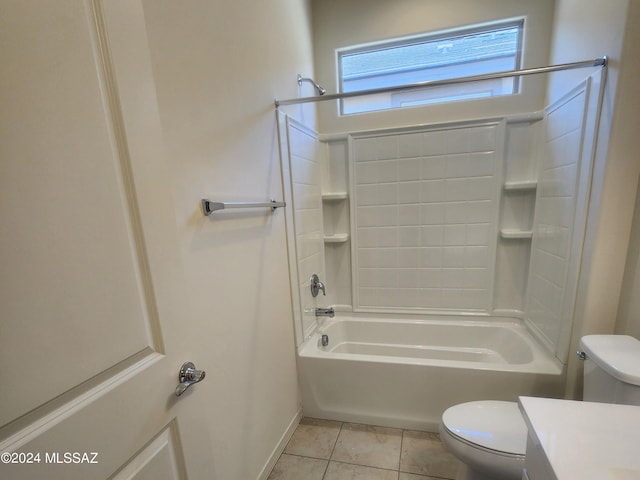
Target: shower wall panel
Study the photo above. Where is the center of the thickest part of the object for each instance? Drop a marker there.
(302, 153)
(564, 180)
(425, 213)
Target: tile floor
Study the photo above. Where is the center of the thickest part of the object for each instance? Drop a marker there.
(330, 450)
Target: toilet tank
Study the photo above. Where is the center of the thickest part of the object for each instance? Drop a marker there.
(611, 369)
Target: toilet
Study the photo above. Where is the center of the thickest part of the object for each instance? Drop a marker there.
(490, 437)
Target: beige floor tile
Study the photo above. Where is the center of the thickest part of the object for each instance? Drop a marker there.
(369, 445)
(314, 438)
(292, 467)
(345, 471)
(424, 454)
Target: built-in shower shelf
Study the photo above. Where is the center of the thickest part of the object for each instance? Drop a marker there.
(521, 185)
(334, 196)
(337, 238)
(512, 233)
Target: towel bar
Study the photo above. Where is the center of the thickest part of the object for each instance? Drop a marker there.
(208, 207)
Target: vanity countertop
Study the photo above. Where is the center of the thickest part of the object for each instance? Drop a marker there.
(585, 440)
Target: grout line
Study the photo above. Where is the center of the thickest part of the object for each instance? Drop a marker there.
(367, 466)
(336, 442)
(400, 456)
(333, 450)
(304, 456)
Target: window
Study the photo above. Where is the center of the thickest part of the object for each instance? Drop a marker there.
(459, 53)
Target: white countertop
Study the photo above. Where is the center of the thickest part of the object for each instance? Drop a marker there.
(586, 440)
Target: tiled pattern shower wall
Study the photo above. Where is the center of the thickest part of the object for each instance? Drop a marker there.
(550, 296)
(425, 211)
(303, 176)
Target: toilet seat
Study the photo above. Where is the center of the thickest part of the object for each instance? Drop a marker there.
(491, 425)
(489, 437)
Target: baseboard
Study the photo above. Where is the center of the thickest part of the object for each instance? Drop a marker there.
(277, 451)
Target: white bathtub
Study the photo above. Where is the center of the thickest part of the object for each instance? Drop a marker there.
(405, 373)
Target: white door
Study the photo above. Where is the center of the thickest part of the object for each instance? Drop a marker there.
(94, 325)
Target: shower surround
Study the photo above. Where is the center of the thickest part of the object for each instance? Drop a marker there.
(475, 225)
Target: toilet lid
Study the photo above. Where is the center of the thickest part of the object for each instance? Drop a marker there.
(615, 354)
(495, 425)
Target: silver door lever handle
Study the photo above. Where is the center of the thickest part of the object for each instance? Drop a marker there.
(187, 376)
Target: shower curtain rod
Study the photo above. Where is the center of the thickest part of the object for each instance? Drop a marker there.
(598, 62)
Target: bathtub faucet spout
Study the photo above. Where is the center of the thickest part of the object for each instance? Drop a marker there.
(325, 312)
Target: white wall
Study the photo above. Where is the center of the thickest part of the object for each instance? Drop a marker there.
(218, 66)
(628, 320)
(588, 29)
(629, 309)
(343, 23)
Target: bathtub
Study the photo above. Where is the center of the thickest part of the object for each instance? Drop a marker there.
(404, 373)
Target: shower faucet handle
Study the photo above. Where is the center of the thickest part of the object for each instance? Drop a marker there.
(316, 286)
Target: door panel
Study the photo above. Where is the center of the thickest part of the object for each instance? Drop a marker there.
(65, 236)
(158, 461)
(92, 302)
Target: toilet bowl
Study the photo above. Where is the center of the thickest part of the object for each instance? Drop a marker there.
(488, 437)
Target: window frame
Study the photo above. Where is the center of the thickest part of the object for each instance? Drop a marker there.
(451, 33)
